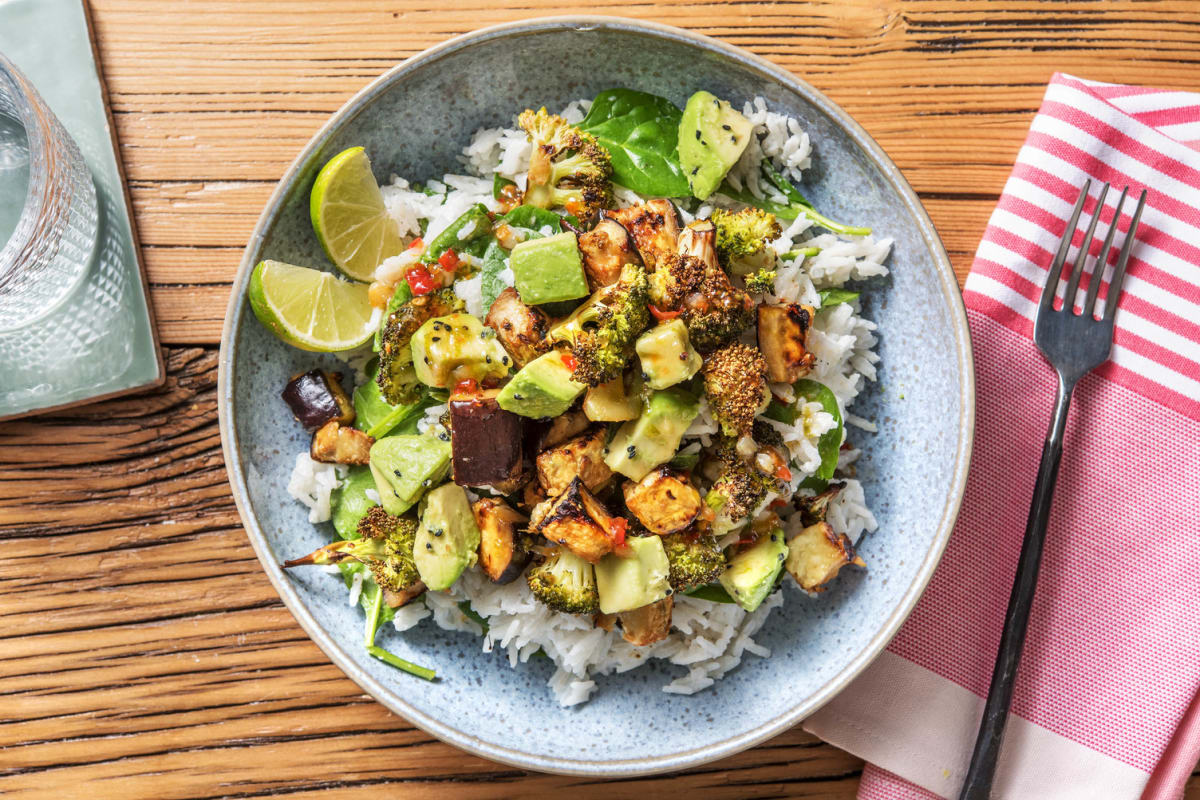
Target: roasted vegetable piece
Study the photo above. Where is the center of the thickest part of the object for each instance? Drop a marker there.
(694, 559)
(664, 501)
(735, 381)
(457, 347)
(737, 490)
(813, 509)
(487, 442)
(397, 378)
(606, 249)
(567, 168)
(761, 282)
(334, 444)
(579, 521)
(385, 547)
(520, 328)
(581, 457)
(742, 239)
(782, 338)
(316, 397)
(601, 332)
(816, 554)
(654, 227)
(565, 582)
(502, 552)
(565, 426)
(648, 624)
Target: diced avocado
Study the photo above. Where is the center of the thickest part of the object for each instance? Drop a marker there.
(457, 347)
(448, 538)
(549, 269)
(405, 466)
(712, 137)
(652, 439)
(635, 580)
(751, 574)
(616, 401)
(543, 388)
(350, 501)
(667, 355)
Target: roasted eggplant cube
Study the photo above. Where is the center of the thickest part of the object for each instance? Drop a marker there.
(565, 426)
(783, 339)
(581, 457)
(404, 596)
(648, 624)
(606, 249)
(487, 442)
(664, 501)
(816, 554)
(316, 397)
(502, 553)
(335, 444)
(577, 520)
(520, 328)
(654, 227)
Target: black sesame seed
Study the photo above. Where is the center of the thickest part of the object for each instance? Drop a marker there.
(426, 359)
(697, 136)
(733, 139)
(427, 483)
(436, 338)
(504, 360)
(429, 545)
(396, 472)
(517, 396)
(439, 532)
(774, 538)
(704, 143)
(487, 359)
(631, 451)
(727, 127)
(695, 170)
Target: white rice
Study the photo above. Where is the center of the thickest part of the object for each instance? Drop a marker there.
(707, 639)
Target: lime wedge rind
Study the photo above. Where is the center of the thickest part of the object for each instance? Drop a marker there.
(350, 218)
(311, 309)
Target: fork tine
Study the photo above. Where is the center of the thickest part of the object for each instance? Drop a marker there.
(1082, 257)
(1089, 300)
(1052, 278)
(1114, 286)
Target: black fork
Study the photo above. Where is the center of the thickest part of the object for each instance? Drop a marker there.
(1074, 344)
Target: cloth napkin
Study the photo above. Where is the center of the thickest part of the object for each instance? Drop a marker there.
(1112, 660)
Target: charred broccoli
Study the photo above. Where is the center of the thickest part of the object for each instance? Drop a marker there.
(568, 168)
(602, 331)
(737, 491)
(565, 582)
(386, 548)
(761, 282)
(396, 377)
(742, 239)
(693, 559)
(735, 381)
(692, 282)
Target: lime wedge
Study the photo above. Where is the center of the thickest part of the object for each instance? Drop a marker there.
(349, 216)
(310, 309)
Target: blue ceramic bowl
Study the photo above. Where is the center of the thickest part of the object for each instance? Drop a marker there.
(413, 121)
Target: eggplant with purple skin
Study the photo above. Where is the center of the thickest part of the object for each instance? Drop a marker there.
(502, 552)
(316, 397)
(487, 443)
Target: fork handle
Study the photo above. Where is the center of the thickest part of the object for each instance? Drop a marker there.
(978, 783)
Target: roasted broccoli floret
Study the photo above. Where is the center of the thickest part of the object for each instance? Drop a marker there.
(737, 491)
(602, 331)
(742, 239)
(565, 582)
(692, 282)
(567, 168)
(386, 548)
(693, 560)
(761, 282)
(396, 377)
(735, 382)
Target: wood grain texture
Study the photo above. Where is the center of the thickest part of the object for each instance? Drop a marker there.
(142, 653)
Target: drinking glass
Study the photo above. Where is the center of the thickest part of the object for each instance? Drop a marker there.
(48, 210)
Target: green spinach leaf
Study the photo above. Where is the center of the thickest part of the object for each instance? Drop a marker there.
(495, 261)
(350, 502)
(476, 216)
(831, 441)
(713, 592)
(499, 183)
(796, 206)
(833, 297)
(640, 131)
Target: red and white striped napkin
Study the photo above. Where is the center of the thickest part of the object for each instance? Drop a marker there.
(1112, 662)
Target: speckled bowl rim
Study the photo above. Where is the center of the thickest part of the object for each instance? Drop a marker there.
(512, 755)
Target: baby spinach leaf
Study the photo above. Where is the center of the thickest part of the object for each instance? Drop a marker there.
(499, 183)
(784, 185)
(796, 206)
(532, 218)
(713, 592)
(640, 131)
(350, 502)
(833, 297)
(495, 260)
(476, 216)
(831, 441)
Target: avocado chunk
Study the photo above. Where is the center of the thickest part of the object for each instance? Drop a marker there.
(667, 355)
(549, 269)
(457, 347)
(404, 466)
(350, 502)
(543, 388)
(618, 400)
(751, 574)
(712, 137)
(652, 439)
(636, 580)
(447, 539)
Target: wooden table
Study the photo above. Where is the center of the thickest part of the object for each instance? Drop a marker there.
(143, 652)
